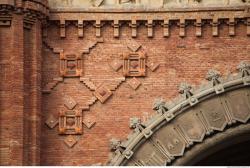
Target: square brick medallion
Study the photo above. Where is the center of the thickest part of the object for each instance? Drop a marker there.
(70, 122)
(134, 65)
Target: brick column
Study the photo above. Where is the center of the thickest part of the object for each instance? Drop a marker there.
(35, 95)
(17, 86)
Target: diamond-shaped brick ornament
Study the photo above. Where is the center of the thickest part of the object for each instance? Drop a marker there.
(116, 64)
(153, 66)
(133, 45)
(89, 123)
(69, 102)
(134, 83)
(102, 93)
(70, 141)
(51, 122)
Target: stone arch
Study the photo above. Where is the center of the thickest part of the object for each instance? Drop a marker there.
(207, 112)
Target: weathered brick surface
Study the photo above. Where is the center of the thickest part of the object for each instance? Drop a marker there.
(181, 59)
(27, 66)
(20, 93)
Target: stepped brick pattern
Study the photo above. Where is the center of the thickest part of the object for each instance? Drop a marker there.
(72, 81)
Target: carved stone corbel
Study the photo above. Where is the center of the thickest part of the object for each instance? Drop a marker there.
(185, 89)
(160, 106)
(134, 25)
(214, 77)
(244, 69)
(166, 25)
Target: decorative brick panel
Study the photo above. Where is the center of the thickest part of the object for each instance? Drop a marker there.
(70, 122)
(70, 65)
(134, 65)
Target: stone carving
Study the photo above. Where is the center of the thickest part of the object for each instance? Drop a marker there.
(239, 112)
(244, 69)
(192, 124)
(171, 141)
(191, 127)
(160, 106)
(214, 77)
(143, 3)
(114, 144)
(185, 90)
(134, 121)
(214, 113)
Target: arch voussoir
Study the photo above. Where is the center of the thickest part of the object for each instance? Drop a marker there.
(195, 117)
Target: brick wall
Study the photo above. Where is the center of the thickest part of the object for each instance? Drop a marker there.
(180, 59)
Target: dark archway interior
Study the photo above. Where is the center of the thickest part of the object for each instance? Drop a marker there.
(235, 155)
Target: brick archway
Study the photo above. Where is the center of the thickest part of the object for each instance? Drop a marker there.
(199, 115)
